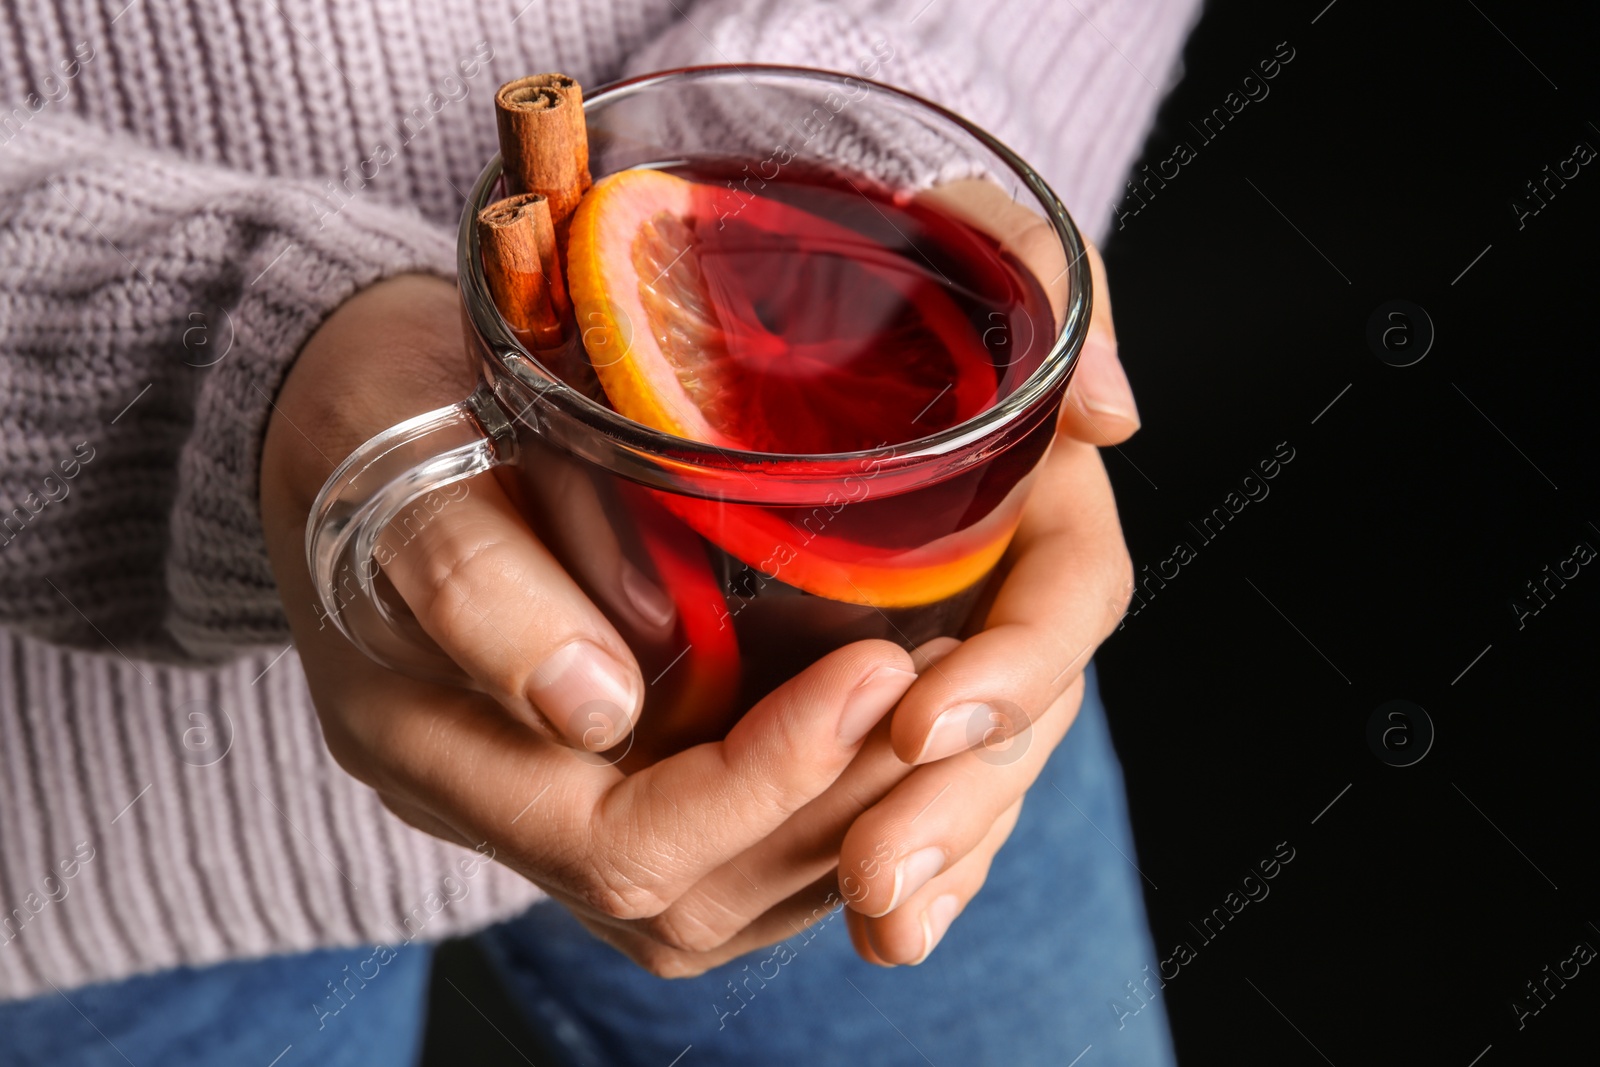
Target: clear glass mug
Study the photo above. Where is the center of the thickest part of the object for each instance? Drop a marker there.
(770, 561)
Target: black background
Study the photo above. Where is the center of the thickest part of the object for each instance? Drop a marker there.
(1384, 563)
(1388, 554)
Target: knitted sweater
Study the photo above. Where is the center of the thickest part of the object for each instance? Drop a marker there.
(186, 191)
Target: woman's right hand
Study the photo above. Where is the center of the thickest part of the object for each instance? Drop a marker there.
(645, 860)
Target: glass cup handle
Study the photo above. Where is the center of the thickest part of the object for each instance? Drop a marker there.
(408, 466)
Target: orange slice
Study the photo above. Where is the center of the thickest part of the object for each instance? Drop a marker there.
(641, 380)
(714, 350)
(773, 330)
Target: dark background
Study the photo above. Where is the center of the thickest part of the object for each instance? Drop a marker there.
(1389, 552)
(1384, 562)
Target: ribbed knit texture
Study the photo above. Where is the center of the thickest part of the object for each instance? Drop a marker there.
(216, 823)
(186, 190)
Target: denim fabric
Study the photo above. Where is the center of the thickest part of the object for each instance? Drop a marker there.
(243, 1014)
(1025, 976)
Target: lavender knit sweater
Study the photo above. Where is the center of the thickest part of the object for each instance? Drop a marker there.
(186, 191)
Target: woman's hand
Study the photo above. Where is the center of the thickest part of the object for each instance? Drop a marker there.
(927, 803)
(985, 716)
(728, 847)
(639, 858)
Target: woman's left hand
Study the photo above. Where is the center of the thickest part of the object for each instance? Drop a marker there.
(984, 716)
(935, 791)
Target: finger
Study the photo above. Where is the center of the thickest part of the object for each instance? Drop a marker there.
(716, 800)
(585, 535)
(1067, 586)
(451, 762)
(499, 604)
(909, 934)
(943, 811)
(860, 941)
(1100, 408)
(621, 847)
(1026, 234)
(784, 930)
(803, 850)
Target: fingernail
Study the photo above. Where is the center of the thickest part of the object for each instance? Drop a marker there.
(956, 730)
(870, 701)
(1101, 388)
(935, 922)
(648, 599)
(1110, 409)
(916, 871)
(585, 693)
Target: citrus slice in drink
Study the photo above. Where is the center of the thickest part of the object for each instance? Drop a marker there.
(748, 323)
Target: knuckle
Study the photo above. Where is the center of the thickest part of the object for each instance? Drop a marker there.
(684, 930)
(443, 564)
(767, 799)
(361, 757)
(618, 895)
(629, 903)
(666, 962)
(451, 576)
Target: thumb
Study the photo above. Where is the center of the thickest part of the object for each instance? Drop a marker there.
(1099, 408)
(499, 604)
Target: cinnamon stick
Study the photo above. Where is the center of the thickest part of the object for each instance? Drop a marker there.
(520, 263)
(544, 144)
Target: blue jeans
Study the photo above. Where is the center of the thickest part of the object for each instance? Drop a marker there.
(1035, 971)
(243, 1014)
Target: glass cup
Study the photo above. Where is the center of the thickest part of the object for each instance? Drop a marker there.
(726, 572)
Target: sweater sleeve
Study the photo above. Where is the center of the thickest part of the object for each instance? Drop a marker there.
(1072, 88)
(149, 308)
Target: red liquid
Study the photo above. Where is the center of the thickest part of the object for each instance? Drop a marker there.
(858, 321)
(845, 320)
(855, 322)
